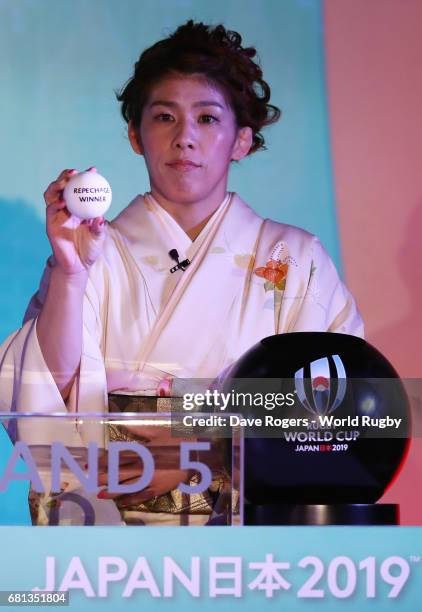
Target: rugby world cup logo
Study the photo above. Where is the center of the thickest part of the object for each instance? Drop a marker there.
(321, 390)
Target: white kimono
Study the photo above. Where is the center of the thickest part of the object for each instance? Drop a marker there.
(143, 326)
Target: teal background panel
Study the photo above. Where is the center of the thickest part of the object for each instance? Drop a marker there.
(14, 508)
(60, 64)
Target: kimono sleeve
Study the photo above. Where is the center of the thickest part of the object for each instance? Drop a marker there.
(26, 384)
(328, 305)
(92, 320)
(37, 300)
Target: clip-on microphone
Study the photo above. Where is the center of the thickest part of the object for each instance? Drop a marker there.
(181, 265)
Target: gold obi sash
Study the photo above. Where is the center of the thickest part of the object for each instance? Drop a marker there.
(173, 502)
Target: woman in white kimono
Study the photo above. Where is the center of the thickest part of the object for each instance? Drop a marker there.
(110, 317)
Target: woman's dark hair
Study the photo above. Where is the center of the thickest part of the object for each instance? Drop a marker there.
(215, 53)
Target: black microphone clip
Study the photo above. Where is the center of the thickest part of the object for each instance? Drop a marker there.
(181, 265)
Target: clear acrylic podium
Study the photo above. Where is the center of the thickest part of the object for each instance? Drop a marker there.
(116, 469)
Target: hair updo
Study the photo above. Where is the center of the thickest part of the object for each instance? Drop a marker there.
(215, 53)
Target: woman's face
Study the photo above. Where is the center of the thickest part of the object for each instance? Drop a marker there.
(188, 136)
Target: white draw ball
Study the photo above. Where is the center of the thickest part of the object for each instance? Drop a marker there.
(87, 195)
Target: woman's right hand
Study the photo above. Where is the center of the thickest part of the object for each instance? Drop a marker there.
(76, 243)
